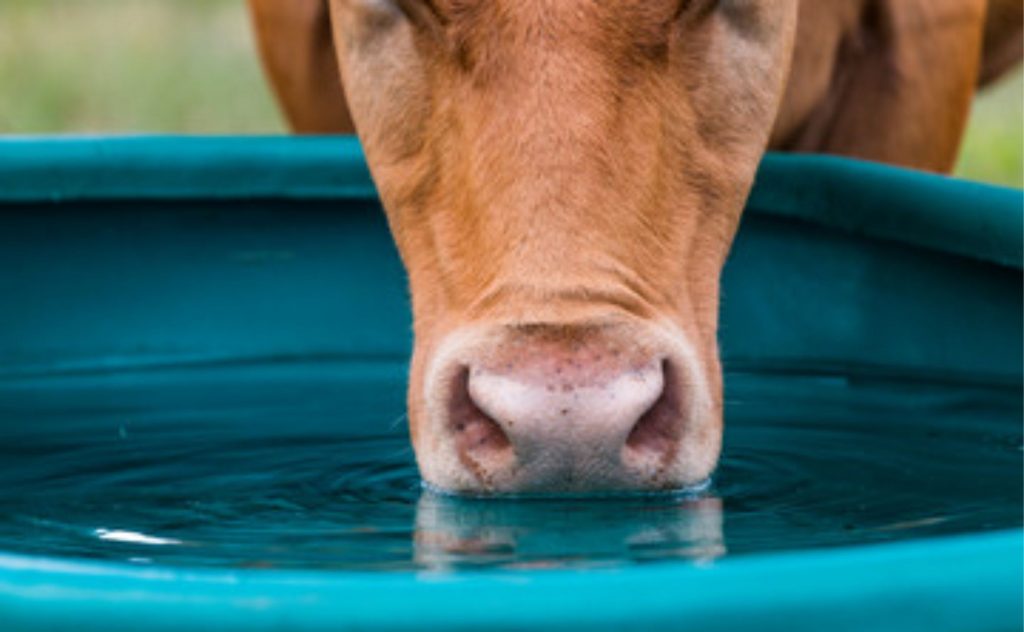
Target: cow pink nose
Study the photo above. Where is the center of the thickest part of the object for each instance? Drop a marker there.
(569, 424)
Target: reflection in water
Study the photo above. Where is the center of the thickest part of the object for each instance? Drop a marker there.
(457, 533)
(118, 535)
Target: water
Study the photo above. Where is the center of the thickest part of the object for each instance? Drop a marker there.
(308, 466)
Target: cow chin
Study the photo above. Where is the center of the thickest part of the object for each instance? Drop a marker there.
(609, 406)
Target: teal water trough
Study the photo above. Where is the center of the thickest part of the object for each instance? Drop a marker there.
(133, 263)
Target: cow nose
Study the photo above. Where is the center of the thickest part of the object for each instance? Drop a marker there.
(575, 423)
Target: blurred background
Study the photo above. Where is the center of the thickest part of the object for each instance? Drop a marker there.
(189, 66)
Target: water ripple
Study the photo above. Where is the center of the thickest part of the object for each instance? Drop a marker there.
(230, 482)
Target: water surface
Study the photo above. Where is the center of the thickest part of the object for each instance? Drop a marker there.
(308, 466)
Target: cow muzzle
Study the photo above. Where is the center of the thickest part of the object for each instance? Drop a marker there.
(551, 408)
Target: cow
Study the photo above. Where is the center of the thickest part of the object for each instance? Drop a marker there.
(563, 180)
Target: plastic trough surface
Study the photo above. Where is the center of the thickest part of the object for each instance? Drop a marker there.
(948, 584)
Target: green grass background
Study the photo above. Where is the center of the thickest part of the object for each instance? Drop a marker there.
(109, 66)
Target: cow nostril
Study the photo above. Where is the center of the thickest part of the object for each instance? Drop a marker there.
(657, 434)
(476, 434)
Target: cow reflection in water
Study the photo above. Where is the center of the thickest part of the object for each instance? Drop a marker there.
(553, 533)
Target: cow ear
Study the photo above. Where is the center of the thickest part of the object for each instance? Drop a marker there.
(297, 49)
(897, 86)
(1004, 39)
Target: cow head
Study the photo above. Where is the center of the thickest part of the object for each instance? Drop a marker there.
(563, 179)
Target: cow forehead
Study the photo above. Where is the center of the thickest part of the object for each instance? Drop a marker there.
(611, 27)
(522, 24)
(623, 12)
(582, 8)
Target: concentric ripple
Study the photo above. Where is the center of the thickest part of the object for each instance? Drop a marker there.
(311, 468)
